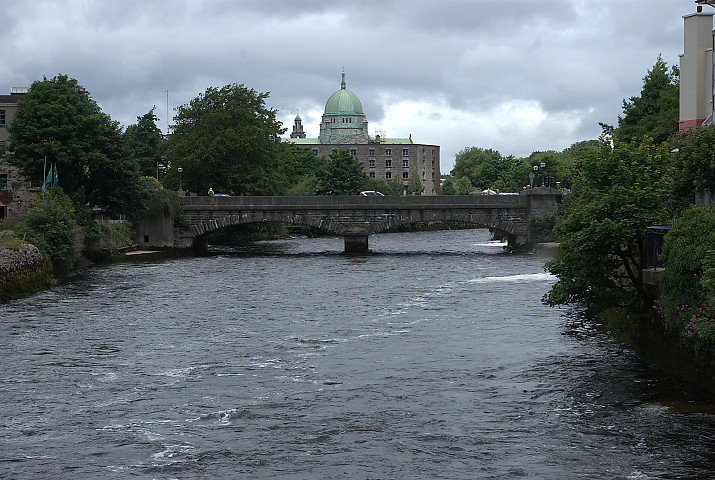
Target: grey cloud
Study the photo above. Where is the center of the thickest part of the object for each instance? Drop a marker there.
(566, 56)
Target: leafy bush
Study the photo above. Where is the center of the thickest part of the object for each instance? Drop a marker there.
(50, 225)
(685, 249)
(155, 199)
(688, 279)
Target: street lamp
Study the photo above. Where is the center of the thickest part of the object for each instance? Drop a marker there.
(180, 170)
(543, 175)
(532, 176)
(160, 166)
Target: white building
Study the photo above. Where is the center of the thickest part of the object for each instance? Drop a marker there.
(696, 70)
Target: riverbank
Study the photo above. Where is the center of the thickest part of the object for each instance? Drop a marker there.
(23, 271)
(654, 342)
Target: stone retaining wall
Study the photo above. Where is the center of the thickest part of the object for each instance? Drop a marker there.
(23, 270)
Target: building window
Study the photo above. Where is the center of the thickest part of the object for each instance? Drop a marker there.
(372, 163)
(405, 162)
(388, 162)
(2, 118)
(353, 152)
(388, 175)
(405, 152)
(372, 152)
(372, 174)
(315, 151)
(405, 175)
(3, 181)
(388, 152)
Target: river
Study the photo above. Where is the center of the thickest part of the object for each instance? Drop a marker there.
(433, 357)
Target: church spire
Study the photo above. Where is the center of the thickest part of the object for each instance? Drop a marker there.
(342, 85)
(298, 127)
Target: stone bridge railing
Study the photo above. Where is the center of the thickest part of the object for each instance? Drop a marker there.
(355, 217)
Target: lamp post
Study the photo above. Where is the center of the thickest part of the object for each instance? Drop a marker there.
(180, 170)
(532, 176)
(543, 175)
(160, 165)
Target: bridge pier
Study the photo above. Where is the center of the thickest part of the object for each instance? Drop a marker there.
(355, 240)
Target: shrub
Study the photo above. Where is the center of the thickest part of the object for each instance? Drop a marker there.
(50, 225)
(688, 279)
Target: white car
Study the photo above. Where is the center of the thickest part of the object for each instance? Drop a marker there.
(370, 193)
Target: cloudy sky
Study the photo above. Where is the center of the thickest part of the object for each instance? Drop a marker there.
(514, 76)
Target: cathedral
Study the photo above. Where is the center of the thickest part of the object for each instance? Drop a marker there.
(344, 127)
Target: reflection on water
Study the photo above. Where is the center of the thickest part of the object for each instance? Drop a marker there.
(430, 358)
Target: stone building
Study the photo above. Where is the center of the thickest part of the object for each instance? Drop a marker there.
(344, 126)
(15, 190)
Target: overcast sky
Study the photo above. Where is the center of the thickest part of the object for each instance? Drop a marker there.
(514, 76)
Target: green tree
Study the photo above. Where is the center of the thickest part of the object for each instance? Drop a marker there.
(692, 165)
(58, 121)
(228, 139)
(448, 188)
(684, 256)
(142, 142)
(464, 185)
(300, 167)
(688, 279)
(343, 175)
(602, 227)
(481, 166)
(655, 112)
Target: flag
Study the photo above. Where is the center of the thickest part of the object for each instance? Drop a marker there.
(48, 179)
(56, 177)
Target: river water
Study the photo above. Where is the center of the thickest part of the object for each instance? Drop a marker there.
(430, 358)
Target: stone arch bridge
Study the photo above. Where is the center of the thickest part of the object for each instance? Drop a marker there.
(353, 217)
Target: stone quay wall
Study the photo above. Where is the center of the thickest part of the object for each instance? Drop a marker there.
(23, 270)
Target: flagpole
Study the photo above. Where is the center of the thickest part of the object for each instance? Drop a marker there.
(44, 178)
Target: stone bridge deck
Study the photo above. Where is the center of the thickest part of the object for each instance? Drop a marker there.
(355, 217)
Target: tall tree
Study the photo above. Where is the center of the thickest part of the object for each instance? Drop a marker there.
(227, 139)
(58, 121)
(655, 112)
(141, 143)
(602, 227)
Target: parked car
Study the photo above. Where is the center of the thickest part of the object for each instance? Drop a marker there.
(371, 193)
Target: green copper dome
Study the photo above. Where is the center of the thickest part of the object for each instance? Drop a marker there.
(343, 102)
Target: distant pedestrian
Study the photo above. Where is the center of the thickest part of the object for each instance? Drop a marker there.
(232, 193)
(211, 192)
